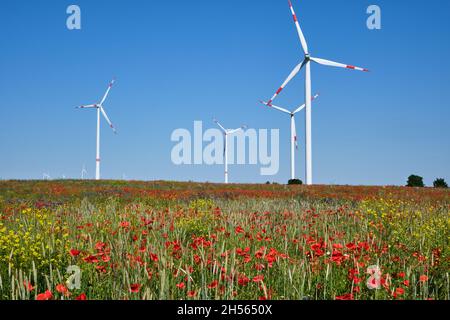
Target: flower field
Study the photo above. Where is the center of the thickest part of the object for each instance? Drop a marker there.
(170, 240)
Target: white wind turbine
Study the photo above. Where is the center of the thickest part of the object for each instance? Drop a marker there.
(294, 141)
(306, 63)
(83, 172)
(100, 109)
(226, 133)
(46, 176)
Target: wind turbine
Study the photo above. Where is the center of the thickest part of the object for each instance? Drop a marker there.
(307, 64)
(294, 141)
(100, 109)
(226, 133)
(46, 176)
(83, 172)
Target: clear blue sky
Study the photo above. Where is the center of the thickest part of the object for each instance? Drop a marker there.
(179, 61)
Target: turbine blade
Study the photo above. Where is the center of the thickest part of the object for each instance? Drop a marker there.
(87, 106)
(299, 30)
(107, 91)
(289, 78)
(337, 64)
(107, 119)
(304, 105)
(221, 127)
(276, 107)
(236, 130)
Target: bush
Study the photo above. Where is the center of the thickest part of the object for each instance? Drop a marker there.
(440, 183)
(294, 181)
(415, 181)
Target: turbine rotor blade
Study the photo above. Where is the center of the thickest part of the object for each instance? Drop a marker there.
(330, 63)
(236, 130)
(299, 30)
(276, 107)
(304, 105)
(87, 106)
(221, 127)
(107, 91)
(107, 119)
(288, 79)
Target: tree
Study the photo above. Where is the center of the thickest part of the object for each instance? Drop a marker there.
(440, 183)
(295, 181)
(415, 181)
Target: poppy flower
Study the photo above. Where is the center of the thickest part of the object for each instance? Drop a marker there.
(181, 285)
(124, 224)
(81, 297)
(62, 289)
(213, 284)
(100, 245)
(399, 291)
(423, 278)
(91, 259)
(47, 295)
(153, 257)
(348, 296)
(74, 252)
(135, 287)
(28, 286)
(243, 280)
(192, 294)
(239, 229)
(258, 278)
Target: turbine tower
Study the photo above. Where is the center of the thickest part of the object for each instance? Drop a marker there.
(307, 64)
(226, 133)
(294, 138)
(100, 109)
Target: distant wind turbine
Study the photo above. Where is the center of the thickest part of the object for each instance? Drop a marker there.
(294, 138)
(100, 109)
(226, 133)
(83, 172)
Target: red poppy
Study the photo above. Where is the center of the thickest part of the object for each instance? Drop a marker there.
(28, 286)
(243, 280)
(213, 284)
(135, 287)
(258, 278)
(62, 289)
(239, 229)
(91, 259)
(81, 297)
(153, 257)
(399, 291)
(423, 278)
(181, 285)
(348, 296)
(100, 245)
(406, 283)
(124, 224)
(74, 252)
(47, 295)
(192, 294)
